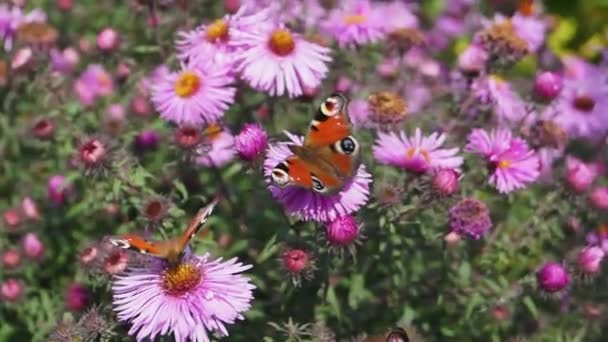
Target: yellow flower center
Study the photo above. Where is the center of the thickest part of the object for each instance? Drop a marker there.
(504, 164)
(187, 84)
(281, 42)
(424, 153)
(355, 19)
(218, 30)
(212, 132)
(181, 278)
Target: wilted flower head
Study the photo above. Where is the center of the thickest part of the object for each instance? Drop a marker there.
(115, 261)
(251, 141)
(552, 277)
(89, 254)
(511, 162)
(199, 93)
(188, 137)
(417, 154)
(501, 41)
(94, 324)
(93, 155)
(66, 332)
(155, 209)
(387, 107)
(402, 39)
(470, 217)
(307, 204)
(546, 133)
(43, 128)
(280, 62)
(192, 299)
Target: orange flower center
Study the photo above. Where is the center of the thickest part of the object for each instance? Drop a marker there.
(180, 279)
(281, 42)
(104, 80)
(187, 84)
(504, 164)
(217, 31)
(355, 19)
(584, 103)
(212, 132)
(424, 153)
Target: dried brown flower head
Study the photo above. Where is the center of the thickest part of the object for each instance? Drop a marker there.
(546, 133)
(405, 38)
(387, 107)
(37, 33)
(502, 42)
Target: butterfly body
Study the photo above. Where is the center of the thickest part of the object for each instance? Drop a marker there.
(329, 156)
(172, 249)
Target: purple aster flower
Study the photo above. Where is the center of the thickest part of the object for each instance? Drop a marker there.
(417, 154)
(498, 94)
(355, 23)
(590, 259)
(197, 94)
(93, 83)
(359, 113)
(552, 277)
(472, 60)
(397, 15)
(217, 38)
(531, 29)
(278, 61)
(251, 142)
(580, 175)
(582, 108)
(197, 297)
(310, 205)
(599, 237)
(470, 217)
(599, 198)
(10, 20)
(218, 147)
(512, 163)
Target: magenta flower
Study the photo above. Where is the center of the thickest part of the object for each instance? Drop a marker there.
(197, 94)
(108, 39)
(342, 231)
(299, 263)
(512, 163)
(217, 149)
(310, 205)
(64, 61)
(93, 83)
(548, 85)
(278, 61)
(590, 259)
(552, 277)
(445, 181)
(11, 290)
(216, 39)
(59, 190)
(497, 93)
(470, 217)
(251, 141)
(417, 154)
(599, 198)
(580, 175)
(197, 297)
(32, 246)
(355, 23)
(77, 297)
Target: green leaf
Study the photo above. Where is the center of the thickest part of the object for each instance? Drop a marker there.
(464, 273)
(269, 250)
(358, 293)
(181, 188)
(332, 299)
(531, 306)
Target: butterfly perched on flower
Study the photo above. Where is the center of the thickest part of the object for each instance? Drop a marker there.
(171, 250)
(329, 156)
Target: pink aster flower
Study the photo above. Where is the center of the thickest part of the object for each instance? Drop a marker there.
(582, 107)
(216, 39)
(532, 29)
(278, 61)
(251, 142)
(93, 83)
(218, 147)
(197, 297)
(417, 154)
(10, 20)
(355, 23)
(197, 94)
(498, 94)
(512, 163)
(309, 205)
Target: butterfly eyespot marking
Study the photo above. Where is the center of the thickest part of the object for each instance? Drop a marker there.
(279, 175)
(331, 106)
(120, 243)
(348, 145)
(317, 185)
